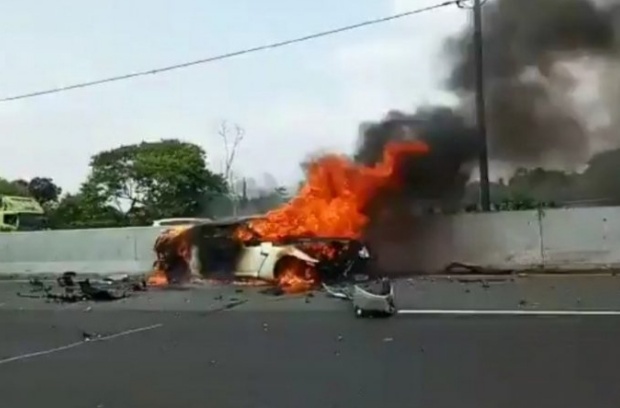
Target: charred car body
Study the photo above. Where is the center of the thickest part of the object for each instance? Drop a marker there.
(211, 250)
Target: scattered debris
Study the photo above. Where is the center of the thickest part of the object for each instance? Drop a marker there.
(338, 292)
(375, 299)
(463, 268)
(73, 290)
(86, 336)
(273, 291)
(388, 340)
(523, 302)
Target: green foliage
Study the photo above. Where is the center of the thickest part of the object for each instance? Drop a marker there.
(13, 188)
(44, 190)
(83, 210)
(528, 189)
(154, 179)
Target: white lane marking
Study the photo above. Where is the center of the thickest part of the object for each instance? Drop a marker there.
(79, 343)
(510, 312)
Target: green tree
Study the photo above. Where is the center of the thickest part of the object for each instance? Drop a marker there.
(161, 179)
(44, 190)
(85, 209)
(13, 188)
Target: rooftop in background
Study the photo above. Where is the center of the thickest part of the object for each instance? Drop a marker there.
(15, 204)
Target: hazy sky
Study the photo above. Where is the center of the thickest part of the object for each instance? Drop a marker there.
(291, 101)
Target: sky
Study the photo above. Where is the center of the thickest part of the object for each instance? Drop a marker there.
(292, 102)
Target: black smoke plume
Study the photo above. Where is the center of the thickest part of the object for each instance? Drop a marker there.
(442, 174)
(531, 115)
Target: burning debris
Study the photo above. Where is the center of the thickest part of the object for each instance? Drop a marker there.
(73, 290)
(172, 249)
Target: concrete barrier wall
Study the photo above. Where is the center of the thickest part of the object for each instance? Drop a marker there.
(581, 238)
(97, 251)
(578, 239)
(552, 240)
(509, 240)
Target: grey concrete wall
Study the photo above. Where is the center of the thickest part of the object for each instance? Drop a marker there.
(581, 238)
(553, 240)
(98, 251)
(504, 241)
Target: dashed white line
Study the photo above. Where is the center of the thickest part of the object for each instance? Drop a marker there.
(78, 343)
(435, 312)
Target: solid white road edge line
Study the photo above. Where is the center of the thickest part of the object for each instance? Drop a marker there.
(481, 312)
(78, 343)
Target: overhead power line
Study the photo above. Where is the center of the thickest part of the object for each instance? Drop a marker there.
(230, 54)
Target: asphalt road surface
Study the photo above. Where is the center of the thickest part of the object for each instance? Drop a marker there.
(184, 349)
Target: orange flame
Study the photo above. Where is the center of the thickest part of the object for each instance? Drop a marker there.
(172, 245)
(296, 276)
(331, 203)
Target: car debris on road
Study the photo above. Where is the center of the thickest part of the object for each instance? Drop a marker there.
(374, 299)
(70, 289)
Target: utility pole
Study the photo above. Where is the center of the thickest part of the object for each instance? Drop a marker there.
(485, 193)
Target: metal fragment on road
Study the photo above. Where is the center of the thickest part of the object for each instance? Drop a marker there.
(374, 303)
(375, 299)
(341, 293)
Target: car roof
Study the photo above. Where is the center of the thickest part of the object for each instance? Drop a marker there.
(176, 220)
(229, 221)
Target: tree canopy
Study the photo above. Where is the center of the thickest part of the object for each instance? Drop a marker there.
(153, 180)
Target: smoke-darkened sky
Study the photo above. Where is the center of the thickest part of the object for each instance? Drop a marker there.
(532, 116)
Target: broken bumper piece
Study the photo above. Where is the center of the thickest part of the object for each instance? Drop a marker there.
(375, 300)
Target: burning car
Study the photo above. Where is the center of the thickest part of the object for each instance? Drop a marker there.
(313, 237)
(213, 250)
